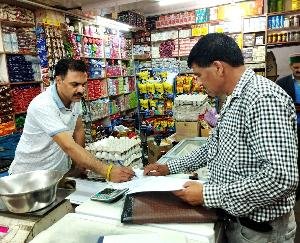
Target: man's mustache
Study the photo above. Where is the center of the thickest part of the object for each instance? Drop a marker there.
(79, 94)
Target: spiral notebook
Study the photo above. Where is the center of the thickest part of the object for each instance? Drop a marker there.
(163, 207)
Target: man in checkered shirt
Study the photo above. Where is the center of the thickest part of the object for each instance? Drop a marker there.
(251, 155)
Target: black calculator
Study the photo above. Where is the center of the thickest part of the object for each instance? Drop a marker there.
(109, 194)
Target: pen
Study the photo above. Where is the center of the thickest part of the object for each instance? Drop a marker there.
(119, 163)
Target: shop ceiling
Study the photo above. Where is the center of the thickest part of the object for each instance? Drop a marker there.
(146, 7)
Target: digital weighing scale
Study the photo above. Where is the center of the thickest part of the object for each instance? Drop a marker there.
(24, 227)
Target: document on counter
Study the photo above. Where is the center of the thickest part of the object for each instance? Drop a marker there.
(84, 190)
(141, 183)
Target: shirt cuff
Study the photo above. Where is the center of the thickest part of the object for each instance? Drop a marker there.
(173, 166)
(212, 196)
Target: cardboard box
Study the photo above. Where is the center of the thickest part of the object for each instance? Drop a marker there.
(155, 152)
(205, 132)
(187, 130)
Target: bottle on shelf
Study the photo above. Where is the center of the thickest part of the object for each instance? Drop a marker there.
(284, 37)
(296, 20)
(274, 39)
(286, 22)
(297, 36)
(291, 19)
(279, 6)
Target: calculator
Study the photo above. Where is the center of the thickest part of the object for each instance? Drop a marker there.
(109, 194)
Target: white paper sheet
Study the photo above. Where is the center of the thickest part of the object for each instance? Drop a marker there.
(142, 183)
(84, 190)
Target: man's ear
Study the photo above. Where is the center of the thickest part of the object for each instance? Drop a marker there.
(219, 67)
(58, 79)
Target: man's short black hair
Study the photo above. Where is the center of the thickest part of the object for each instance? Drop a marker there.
(216, 47)
(64, 65)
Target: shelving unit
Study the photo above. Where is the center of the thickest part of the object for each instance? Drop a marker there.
(111, 80)
(283, 29)
(254, 43)
(18, 61)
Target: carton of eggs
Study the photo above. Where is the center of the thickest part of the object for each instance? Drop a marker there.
(121, 150)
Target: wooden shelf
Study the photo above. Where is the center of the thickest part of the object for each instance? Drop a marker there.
(16, 24)
(158, 41)
(90, 99)
(186, 26)
(122, 59)
(233, 33)
(20, 112)
(121, 76)
(23, 83)
(255, 62)
(251, 32)
(190, 37)
(87, 36)
(142, 59)
(4, 84)
(284, 13)
(96, 78)
(246, 46)
(20, 53)
(114, 76)
(143, 43)
(116, 95)
(93, 57)
(290, 43)
(284, 29)
(255, 16)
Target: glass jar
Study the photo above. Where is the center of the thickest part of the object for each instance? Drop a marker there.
(292, 36)
(274, 38)
(279, 37)
(284, 37)
(297, 36)
(296, 20)
(291, 21)
(270, 38)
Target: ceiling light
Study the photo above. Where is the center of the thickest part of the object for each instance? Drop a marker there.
(112, 24)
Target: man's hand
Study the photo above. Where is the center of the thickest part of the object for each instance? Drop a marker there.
(156, 170)
(192, 193)
(121, 174)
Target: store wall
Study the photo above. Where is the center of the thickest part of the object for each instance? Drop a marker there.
(282, 59)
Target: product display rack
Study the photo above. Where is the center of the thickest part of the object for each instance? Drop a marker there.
(111, 82)
(15, 41)
(283, 29)
(254, 43)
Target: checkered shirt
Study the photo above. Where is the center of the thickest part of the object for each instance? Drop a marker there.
(251, 155)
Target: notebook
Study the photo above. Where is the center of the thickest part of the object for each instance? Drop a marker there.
(163, 207)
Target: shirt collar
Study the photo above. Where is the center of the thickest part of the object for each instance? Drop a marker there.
(245, 78)
(56, 98)
(293, 77)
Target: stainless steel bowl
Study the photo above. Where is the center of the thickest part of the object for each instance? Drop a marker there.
(30, 191)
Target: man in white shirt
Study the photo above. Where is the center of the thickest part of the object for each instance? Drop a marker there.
(53, 131)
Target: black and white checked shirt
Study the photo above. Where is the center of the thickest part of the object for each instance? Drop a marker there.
(252, 153)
